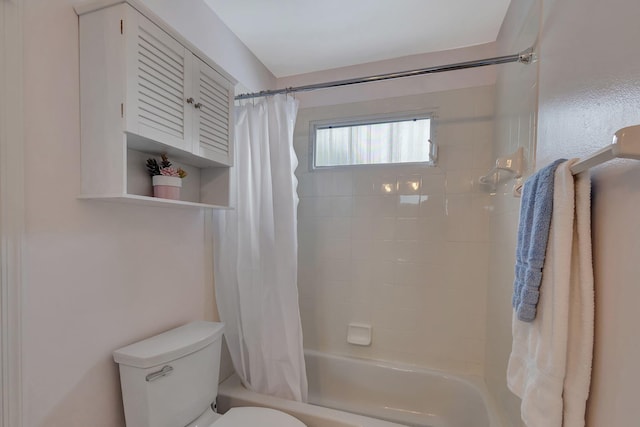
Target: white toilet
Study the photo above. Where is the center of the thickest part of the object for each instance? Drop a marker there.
(171, 380)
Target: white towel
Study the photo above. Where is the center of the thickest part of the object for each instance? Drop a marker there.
(550, 362)
(581, 311)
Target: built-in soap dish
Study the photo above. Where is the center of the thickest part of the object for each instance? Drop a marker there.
(506, 168)
(359, 334)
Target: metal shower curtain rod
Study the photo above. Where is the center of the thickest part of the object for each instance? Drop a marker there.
(524, 57)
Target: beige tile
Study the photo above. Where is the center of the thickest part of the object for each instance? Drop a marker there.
(408, 206)
(341, 206)
(457, 157)
(385, 184)
(408, 251)
(432, 205)
(433, 184)
(313, 207)
(374, 206)
(375, 228)
(432, 228)
(363, 184)
(413, 261)
(461, 181)
(407, 229)
(409, 184)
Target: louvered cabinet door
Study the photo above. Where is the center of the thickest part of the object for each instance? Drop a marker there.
(159, 71)
(213, 121)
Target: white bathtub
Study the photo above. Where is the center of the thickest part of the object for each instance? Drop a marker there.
(395, 393)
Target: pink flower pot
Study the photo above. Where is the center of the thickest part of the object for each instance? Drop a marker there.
(166, 187)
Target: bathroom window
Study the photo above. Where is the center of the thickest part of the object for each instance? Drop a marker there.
(373, 141)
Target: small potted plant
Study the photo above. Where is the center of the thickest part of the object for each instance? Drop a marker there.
(166, 179)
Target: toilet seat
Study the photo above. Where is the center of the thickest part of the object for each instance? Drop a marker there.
(249, 416)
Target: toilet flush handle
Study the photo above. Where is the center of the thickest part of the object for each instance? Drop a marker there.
(166, 370)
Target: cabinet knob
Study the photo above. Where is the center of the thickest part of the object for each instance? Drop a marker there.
(190, 100)
(198, 105)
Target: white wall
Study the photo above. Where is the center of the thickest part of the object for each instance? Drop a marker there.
(412, 263)
(97, 275)
(589, 88)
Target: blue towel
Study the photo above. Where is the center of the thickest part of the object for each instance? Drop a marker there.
(533, 233)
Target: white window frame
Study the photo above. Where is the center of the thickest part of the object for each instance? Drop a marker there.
(369, 120)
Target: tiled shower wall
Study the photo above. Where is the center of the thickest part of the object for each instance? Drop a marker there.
(403, 248)
(516, 110)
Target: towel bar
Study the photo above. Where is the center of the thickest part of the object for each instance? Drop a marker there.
(625, 145)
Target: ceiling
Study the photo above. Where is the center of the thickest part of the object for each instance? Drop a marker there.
(300, 36)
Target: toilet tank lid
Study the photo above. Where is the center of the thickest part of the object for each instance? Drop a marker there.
(169, 345)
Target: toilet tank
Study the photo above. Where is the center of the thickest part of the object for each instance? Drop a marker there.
(170, 379)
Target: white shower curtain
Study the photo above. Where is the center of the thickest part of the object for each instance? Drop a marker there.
(256, 253)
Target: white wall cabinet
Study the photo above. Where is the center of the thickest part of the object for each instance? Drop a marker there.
(144, 91)
(214, 123)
